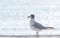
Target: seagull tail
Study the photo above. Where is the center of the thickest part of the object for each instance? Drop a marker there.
(50, 28)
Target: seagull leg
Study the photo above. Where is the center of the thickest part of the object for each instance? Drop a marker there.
(37, 34)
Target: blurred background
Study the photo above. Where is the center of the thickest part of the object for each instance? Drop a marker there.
(14, 21)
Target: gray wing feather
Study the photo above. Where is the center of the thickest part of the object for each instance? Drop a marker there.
(38, 26)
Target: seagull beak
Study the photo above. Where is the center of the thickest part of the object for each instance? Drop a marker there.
(28, 16)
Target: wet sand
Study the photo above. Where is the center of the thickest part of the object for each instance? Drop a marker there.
(29, 36)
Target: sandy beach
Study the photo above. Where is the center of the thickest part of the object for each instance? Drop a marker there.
(29, 36)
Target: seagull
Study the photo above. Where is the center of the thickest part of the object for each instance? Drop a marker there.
(37, 26)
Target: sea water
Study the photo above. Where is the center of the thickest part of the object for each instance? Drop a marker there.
(14, 21)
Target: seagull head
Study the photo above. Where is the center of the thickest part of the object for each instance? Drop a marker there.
(31, 16)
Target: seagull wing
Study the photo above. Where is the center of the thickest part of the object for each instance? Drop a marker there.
(38, 26)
